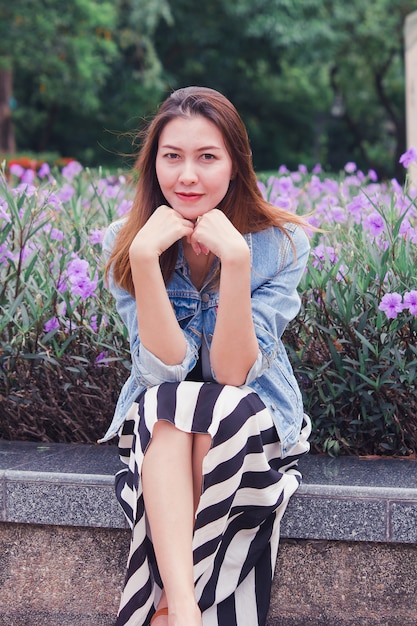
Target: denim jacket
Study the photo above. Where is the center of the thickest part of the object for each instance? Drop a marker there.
(275, 274)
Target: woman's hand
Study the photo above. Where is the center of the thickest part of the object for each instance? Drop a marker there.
(164, 227)
(214, 232)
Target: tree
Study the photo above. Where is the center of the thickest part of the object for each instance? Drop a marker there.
(63, 51)
(213, 46)
(79, 67)
(325, 80)
(362, 49)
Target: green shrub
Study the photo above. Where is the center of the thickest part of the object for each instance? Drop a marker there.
(64, 351)
(354, 344)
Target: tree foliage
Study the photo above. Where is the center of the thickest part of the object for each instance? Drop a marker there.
(314, 81)
(359, 51)
(62, 53)
(70, 61)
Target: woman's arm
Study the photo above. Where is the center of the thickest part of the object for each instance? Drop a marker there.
(275, 300)
(159, 331)
(234, 347)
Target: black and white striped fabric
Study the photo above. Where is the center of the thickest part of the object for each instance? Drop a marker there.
(246, 489)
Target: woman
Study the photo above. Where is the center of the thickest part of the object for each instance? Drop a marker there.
(204, 273)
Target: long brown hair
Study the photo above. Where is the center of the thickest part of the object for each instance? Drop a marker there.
(243, 203)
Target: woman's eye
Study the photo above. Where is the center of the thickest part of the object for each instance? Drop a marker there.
(208, 157)
(171, 155)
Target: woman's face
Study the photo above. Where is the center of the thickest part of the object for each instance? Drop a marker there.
(193, 167)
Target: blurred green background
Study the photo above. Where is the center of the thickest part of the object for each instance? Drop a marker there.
(315, 81)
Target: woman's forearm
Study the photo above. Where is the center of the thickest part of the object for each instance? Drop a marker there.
(234, 348)
(158, 328)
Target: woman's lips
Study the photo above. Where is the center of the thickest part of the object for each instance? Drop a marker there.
(188, 197)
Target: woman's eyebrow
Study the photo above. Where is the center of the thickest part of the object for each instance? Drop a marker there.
(200, 149)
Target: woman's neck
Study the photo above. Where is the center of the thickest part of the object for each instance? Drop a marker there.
(199, 264)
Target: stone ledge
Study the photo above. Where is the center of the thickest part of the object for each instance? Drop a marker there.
(69, 576)
(343, 499)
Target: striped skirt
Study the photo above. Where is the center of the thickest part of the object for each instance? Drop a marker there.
(246, 488)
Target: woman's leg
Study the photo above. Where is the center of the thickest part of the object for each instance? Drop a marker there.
(169, 494)
(201, 446)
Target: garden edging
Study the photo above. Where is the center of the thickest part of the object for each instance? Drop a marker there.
(349, 534)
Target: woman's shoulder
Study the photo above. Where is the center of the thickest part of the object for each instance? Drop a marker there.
(291, 234)
(115, 226)
(112, 231)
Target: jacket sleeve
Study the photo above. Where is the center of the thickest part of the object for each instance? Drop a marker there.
(275, 301)
(146, 367)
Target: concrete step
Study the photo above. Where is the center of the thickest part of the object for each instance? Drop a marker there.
(348, 552)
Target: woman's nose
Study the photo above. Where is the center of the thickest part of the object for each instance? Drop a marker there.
(188, 174)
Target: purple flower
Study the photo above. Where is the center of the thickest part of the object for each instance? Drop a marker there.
(282, 203)
(284, 185)
(391, 304)
(396, 187)
(62, 286)
(57, 234)
(124, 207)
(354, 180)
(373, 176)
(408, 157)
(315, 187)
(410, 302)
(24, 189)
(331, 186)
(96, 236)
(26, 251)
(343, 272)
(77, 269)
(322, 254)
(84, 287)
(44, 170)
(338, 214)
(51, 324)
(350, 167)
(405, 227)
(374, 223)
(93, 323)
(71, 170)
(28, 177)
(4, 253)
(65, 193)
(16, 170)
(356, 207)
(112, 191)
(101, 358)
(54, 201)
(81, 284)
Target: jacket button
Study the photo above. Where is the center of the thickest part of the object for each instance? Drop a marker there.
(205, 297)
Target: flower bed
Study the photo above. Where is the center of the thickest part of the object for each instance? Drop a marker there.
(64, 351)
